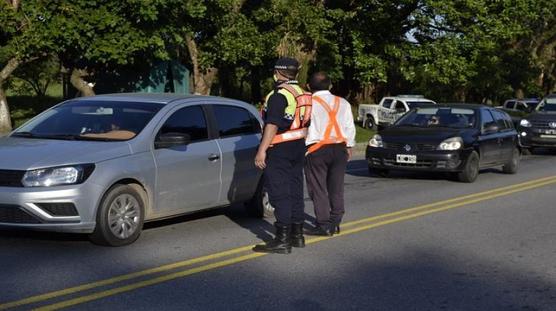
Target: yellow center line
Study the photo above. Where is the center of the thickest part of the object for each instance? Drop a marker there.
(181, 264)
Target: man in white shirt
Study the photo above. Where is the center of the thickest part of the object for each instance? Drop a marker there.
(330, 137)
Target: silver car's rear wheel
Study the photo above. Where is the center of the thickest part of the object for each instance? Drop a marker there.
(120, 216)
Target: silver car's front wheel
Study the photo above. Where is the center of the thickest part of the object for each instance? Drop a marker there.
(124, 216)
(120, 217)
(267, 207)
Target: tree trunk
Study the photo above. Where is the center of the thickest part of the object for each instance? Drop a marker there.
(519, 94)
(78, 81)
(202, 78)
(5, 119)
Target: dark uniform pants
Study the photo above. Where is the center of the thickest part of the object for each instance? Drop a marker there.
(324, 171)
(284, 181)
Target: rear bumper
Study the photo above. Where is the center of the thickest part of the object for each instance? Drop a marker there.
(431, 161)
(535, 137)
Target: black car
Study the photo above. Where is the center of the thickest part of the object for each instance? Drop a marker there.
(457, 138)
(539, 128)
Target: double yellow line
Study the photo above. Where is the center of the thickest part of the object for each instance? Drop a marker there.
(241, 254)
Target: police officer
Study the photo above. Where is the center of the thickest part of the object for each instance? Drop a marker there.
(282, 153)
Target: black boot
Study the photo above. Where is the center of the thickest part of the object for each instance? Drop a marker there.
(281, 244)
(320, 231)
(297, 240)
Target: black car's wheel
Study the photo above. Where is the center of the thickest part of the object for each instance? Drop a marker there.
(471, 169)
(512, 166)
(259, 206)
(370, 123)
(378, 172)
(120, 217)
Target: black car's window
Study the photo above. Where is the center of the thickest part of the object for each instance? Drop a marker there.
(548, 104)
(501, 121)
(188, 120)
(91, 120)
(439, 117)
(486, 119)
(234, 121)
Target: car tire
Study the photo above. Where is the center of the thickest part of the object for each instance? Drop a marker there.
(370, 123)
(512, 166)
(259, 206)
(378, 172)
(120, 217)
(470, 169)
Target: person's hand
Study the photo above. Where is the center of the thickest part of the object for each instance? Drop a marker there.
(350, 153)
(260, 160)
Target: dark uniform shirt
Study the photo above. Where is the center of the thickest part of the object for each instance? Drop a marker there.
(275, 112)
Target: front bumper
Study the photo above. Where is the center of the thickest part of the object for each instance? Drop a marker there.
(432, 161)
(537, 137)
(24, 208)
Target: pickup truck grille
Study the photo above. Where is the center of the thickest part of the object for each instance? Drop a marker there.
(540, 124)
(9, 178)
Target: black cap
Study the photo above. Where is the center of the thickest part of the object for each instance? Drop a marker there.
(287, 63)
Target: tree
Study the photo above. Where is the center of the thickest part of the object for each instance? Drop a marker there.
(23, 37)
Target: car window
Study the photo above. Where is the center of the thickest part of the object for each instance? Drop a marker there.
(521, 106)
(399, 106)
(386, 103)
(500, 120)
(91, 120)
(439, 117)
(234, 121)
(418, 104)
(509, 105)
(486, 119)
(189, 120)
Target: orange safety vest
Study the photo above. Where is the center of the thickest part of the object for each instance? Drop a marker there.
(332, 125)
(298, 128)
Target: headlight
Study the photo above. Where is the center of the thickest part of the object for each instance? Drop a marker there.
(57, 176)
(453, 143)
(376, 141)
(525, 123)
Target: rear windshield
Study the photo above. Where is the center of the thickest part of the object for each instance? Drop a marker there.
(439, 117)
(91, 120)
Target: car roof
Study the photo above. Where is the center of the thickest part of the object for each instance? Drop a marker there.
(523, 99)
(158, 98)
(458, 105)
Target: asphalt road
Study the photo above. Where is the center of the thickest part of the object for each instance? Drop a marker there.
(409, 242)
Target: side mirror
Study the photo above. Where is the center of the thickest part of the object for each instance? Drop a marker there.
(169, 140)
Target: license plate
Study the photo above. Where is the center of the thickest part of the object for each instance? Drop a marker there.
(550, 132)
(406, 158)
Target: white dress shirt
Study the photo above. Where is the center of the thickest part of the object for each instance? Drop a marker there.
(319, 120)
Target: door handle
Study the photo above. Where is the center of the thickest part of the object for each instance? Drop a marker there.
(213, 157)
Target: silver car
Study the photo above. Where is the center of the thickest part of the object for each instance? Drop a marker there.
(106, 164)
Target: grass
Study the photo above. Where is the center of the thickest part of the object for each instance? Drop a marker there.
(362, 135)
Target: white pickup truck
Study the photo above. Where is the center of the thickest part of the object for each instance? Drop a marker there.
(389, 109)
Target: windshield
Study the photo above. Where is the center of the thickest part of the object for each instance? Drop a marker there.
(439, 117)
(548, 104)
(91, 120)
(532, 105)
(418, 104)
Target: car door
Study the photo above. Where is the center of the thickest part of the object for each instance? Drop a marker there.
(384, 110)
(488, 138)
(188, 176)
(399, 110)
(507, 135)
(239, 135)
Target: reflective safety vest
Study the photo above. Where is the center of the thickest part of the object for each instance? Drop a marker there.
(332, 125)
(298, 111)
